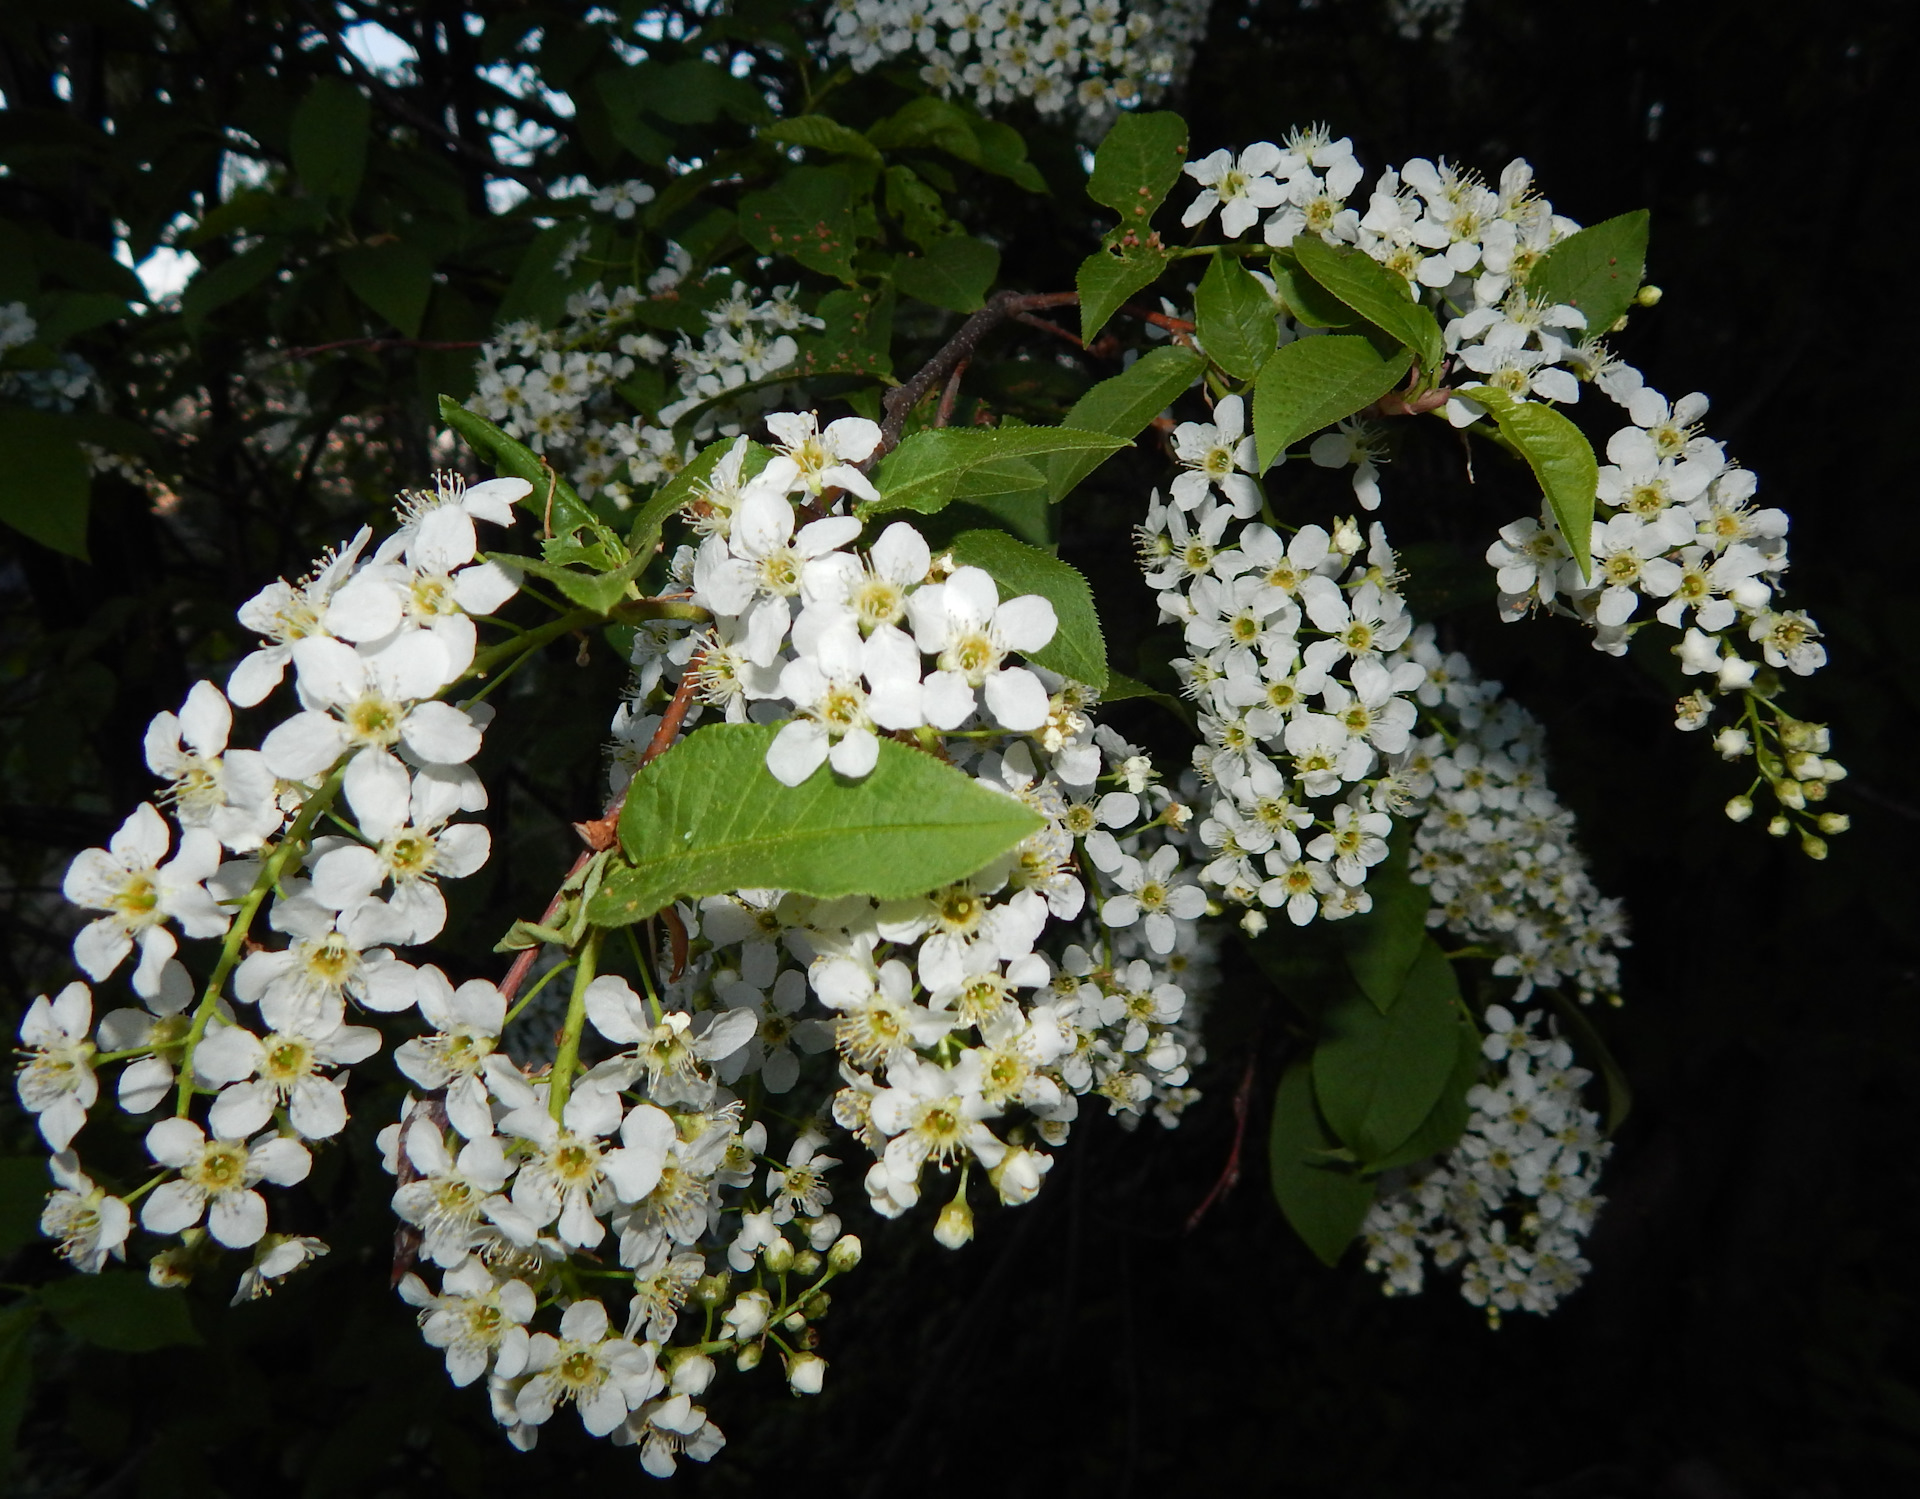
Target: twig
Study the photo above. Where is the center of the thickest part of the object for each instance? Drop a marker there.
(1046, 327)
(376, 344)
(1180, 328)
(603, 830)
(957, 350)
(951, 394)
(1230, 1176)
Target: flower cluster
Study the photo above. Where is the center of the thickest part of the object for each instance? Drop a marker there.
(1098, 55)
(1676, 526)
(558, 389)
(1511, 1202)
(374, 642)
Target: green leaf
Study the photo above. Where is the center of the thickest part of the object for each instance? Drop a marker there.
(599, 592)
(1589, 1045)
(1137, 164)
(1597, 270)
(61, 314)
(1078, 649)
(539, 287)
(1561, 459)
(818, 133)
(16, 1375)
(1381, 945)
(1325, 1202)
(950, 463)
(328, 140)
(1446, 1121)
(1123, 406)
(1376, 1076)
(927, 122)
(1004, 153)
(1312, 383)
(1379, 295)
(119, 1309)
(228, 281)
(808, 215)
(1308, 302)
(1122, 688)
(1109, 276)
(395, 280)
(46, 481)
(23, 1195)
(511, 459)
(624, 93)
(918, 207)
(708, 817)
(1235, 318)
(954, 273)
(696, 92)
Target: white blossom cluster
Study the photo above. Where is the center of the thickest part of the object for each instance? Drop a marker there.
(1511, 1202)
(1096, 55)
(1676, 527)
(1493, 843)
(374, 641)
(557, 389)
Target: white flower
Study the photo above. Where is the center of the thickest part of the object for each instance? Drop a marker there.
(1151, 895)
(127, 880)
(281, 1069)
(934, 1113)
(801, 1186)
(773, 1001)
(414, 853)
(571, 1176)
(761, 559)
(811, 460)
(333, 954)
(468, 1021)
(965, 624)
(91, 1225)
(229, 792)
(1218, 455)
(287, 613)
(1239, 188)
(449, 1198)
(838, 715)
(216, 1181)
(56, 1080)
(605, 1376)
(437, 588)
(475, 1319)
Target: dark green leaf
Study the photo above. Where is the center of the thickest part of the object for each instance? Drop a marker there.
(809, 216)
(552, 496)
(708, 816)
(1077, 650)
(1376, 1076)
(1446, 1121)
(61, 314)
(819, 133)
(1108, 277)
(1381, 945)
(1004, 153)
(119, 1309)
(218, 285)
(1590, 1046)
(955, 273)
(395, 280)
(1234, 315)
(950, 463)
(46, 481)
(937, 124)
(1561, 459)
(1308, 302)
(1137, 164)
(328, 141)
(1324, 1201)
(539, 286)
(1379, 295)
(917, 205)
(696, 92)
(1597, 270)
(1312, 383)
(623, 93)
(23, 1194)
(1123, 406)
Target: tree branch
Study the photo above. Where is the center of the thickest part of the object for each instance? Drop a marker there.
(958, 349)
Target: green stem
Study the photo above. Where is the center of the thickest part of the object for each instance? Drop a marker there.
(485, 661)
(271, 869)
(527, 998)
(566, 1061)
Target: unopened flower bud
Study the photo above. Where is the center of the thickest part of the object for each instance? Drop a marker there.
(806, 1262)
(794, 1322)
(806, 1372)
(171, 1269)
(954, 1226)
(711, 1290)
(1835, 822)
(746, 1319)
(1346, 539)
(1790, 794)
(1731, 744)
(844, 1255)
(1253, 923)
(1739, 808)
(1648, 296)
(1813, 847)
(1814, 791)
(748, 1358)
(822, 1231)
(690, 1372)
(817, 1306)
(778, 1256)
(1779, 827)
(1805, 765)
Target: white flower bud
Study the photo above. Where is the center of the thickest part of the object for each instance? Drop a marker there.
(1790, 794)
(1254, 923)
(778, 1256)
(1812, 847)
(1835, 822)
(806, 1262)
(746, 1319)
(1779, 827)
(748, 1358)
(1739, 808)
(1731, 744)
(692, 1372)
(806, 1372)
(822, 1231)
(954, 1226)
(844, 1255)
(1347, 540)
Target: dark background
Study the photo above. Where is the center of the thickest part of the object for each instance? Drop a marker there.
(1747, 1327)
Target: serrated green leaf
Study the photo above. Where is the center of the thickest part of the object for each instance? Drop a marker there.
(1561, 459)
(1123, 406)
(552, 494)
(917, 205)
(1004, 153)
(1078, 649)
(818, 133)
(1312, 383)
(1234, 318)
(1376, 1076)
(808, 215)
(1308, 302)
(1596, 270)
(599, 592)
(934, 467)
(1137, 163)
(955, 273)
(328, 139)
(1381, 945)
(1446, 1121)
(1379, 295)
(1325, 1202)
(1108, 277)
(214, 287)
(708, 817)
(928, 122)
(46, 482)
(119, 1309)
(59, 315)
(395, 280)
(1590, 1046)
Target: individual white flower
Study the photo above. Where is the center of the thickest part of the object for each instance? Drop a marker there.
(775, 1001)
(216, 1181)
(760, 563)
(1240, 188)
(477, 1320)
(668, 1430)
(287, 613)
(1357, 841)
(671, 1052)
(275, 1258)
(1353, 442)
(1627, 562)
(333, 954)
(56, 1080)
(230, 792)
(603, 1375)
(878, 1018)
(965, 624)
(140, 894)
(934, 1113)
(838, 715)
(874, 594)
(571, 1176)
(801, 1186)
(622, 199)
(415, 854)
(1152, 896)
(448, 1200)
(90, 1224)
(1218, 455)
(467, 1023)
(439, 588)
(812, 460)
(281, 1069)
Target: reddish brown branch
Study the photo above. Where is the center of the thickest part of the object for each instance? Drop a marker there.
(950, 395)
(376, 344)
(1230, 1175)
(1046, 327)
(957, 350)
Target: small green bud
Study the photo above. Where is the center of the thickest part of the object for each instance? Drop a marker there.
(778, 1256)
(806, 1262)
(711, 1290)
(1812, 847)
(844, 1255)
(1835, 822)
(749, 1357)
(1648, 296)
(1739, 808)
